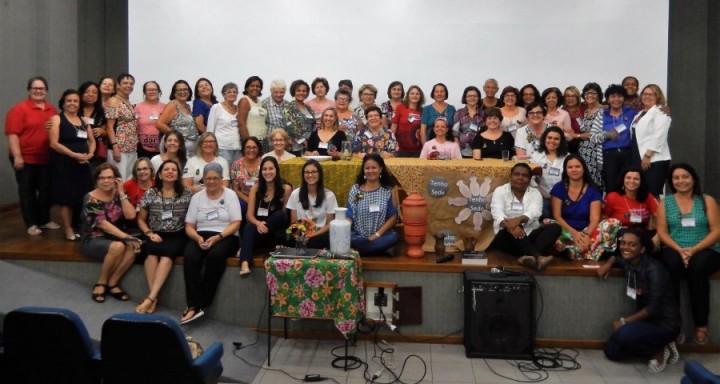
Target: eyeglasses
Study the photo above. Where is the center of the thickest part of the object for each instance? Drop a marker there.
(534, 113)
(209, 142)
(591, 93)
(648, 94)
(368, 94)
(232, 92)
(341, 100)
(473, 96)
(142, 169)
(38, 89)
(311, 172)
(278, 140)
(106, 177)
(510, 95)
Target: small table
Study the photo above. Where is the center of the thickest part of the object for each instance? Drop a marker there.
(317, 288)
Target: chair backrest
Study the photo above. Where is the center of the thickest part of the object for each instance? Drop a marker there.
(145, 349)
(49, 345)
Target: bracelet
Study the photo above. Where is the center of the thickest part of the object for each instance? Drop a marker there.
(221, 235)
(124, 197)
(377, 234)
(148, 232)
(113, 144)
(622, 320)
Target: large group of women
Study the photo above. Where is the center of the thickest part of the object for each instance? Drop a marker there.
(192, 176)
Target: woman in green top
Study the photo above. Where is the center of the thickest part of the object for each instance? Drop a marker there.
(689, 228)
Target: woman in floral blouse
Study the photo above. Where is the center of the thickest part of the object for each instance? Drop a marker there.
(122, 127)
(375, 138)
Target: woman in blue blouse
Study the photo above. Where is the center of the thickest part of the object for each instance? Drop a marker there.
(577, 206)
(439, 108)
(371, 208)
(688, 224)
(204, 100)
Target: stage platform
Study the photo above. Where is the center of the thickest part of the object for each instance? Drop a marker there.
(577, 308)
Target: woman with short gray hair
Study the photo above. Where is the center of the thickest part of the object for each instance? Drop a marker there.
(222, 121)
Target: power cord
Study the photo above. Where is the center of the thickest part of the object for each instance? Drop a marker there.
(238, 345)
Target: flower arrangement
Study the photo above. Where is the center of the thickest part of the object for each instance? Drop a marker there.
(302, 228)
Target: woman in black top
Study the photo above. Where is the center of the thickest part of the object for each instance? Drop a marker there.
(493, 140)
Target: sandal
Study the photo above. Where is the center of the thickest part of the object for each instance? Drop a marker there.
(119, 295)
(702, 336)
(196, 314)
(142, 308)
(99, 297)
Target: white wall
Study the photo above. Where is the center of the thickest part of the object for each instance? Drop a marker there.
(458, 42)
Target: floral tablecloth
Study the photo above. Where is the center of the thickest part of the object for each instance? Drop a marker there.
(318, 288)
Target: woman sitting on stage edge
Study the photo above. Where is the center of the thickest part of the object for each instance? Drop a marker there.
(371, 208)
(516, 211)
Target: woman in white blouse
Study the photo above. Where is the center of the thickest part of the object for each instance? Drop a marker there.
(315, 202)
(223, 122)
(550, 157)
(650, 138)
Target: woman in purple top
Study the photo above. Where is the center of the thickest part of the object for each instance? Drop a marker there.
(576, 205)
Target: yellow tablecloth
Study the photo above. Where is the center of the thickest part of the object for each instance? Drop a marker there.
(338, 176)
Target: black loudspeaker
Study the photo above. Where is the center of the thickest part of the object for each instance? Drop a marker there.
(499, 315)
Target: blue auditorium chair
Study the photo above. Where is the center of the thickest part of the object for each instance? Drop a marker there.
(695, 373)
(49, 345)
(142, 348)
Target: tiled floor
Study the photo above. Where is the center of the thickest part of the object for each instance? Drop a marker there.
(443, 363)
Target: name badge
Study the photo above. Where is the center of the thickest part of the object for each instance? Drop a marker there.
(473, 127)
(635, 218)
(137, 117)
(153, 117)
(88, 120)
(250, 182)
(374, 207)
(368, 134)
(166, 215)
(263, 212)
(411, 118)
(554, 171)
(512, 128)
(302, 140)
(233, 123)
(620, 128)
(517, 207)
(81, 133)
(687, 221)
(213, 215)
(579, 120)
(631, 292)
(321, 145)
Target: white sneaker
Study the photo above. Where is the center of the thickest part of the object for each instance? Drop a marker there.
(34, 230)
(244, 268)
(672, 353)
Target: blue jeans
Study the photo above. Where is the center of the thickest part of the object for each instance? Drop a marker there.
(639, 338)
(230, 155)
(367, 247)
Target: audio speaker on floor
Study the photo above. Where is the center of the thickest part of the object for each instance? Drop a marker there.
(499, 315)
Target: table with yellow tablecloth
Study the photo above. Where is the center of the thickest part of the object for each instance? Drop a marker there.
(463, 208)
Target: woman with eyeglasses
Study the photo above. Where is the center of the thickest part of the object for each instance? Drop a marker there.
(438, 108)
(206, 152)
(266, 217)
(161, 219)
(375, 138)
(313, 201)
(574, 108)
(347, 120)
(122, 128)
(244, 172)
(591, 133)
(279, 140)
(73, 145)
(204, 100)
(177, 115)
(371, 208)
(148, 113)
(143, 178)
(211, 225)
(469, 120)
(513, 115)
(105, 211)
(367, 95)
(173, 149)
(300, 117)
(223, 122)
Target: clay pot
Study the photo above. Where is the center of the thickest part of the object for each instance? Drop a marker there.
(414, 210)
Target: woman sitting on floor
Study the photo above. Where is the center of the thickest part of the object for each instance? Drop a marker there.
(651, 331)
(313, 201)
(371, 208)
(105, 209)
(516, 211)
(576, 206)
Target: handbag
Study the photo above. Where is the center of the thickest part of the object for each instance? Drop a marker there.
(195, 348)
(101, 149)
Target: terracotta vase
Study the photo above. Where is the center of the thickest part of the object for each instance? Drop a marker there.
(415, 213)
